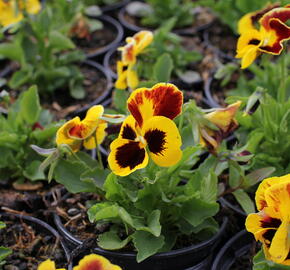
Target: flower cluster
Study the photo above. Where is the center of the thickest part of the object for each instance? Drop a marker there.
(271, 224)
(148, 130)
(90, 131)
(224, 120)
(126, 68)
(89, 262)
(11, 11)
(268, 38)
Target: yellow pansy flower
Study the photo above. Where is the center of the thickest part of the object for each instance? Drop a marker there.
(126, 69)
(271, 224)
(48, 265)
(268, 39)
(224, 120)
(88, 131)
(148, 131)
(96, 262)
(11, 11)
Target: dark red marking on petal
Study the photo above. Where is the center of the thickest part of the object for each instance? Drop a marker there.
(259, 14)
(37, 125)
(133, 107)
(269, 235)
(166, 100)
(130, 155)
(156, 140)
(288, 188)
(282, 32)
(269, 222)
(282, 14)
(76, 131)
(129, 51)
(128, 133)
(254, 42)
(93, 265)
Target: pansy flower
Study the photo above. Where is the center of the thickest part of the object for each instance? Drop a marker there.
(96, 262)
(89, 131)
(225, 122)
(268, 39)
(48, 265)
(149, 130)
(126, 68)
(271, 224)
(11, 11)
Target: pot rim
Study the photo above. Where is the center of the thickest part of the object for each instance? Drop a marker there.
(241, 250)
(157, 256)
(115, 6)
(106, 92)
(106, 61)
(119, 36)
(44, 225)
(225, 203)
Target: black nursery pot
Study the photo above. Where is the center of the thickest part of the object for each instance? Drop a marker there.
(116, 28)
(237, 247)
(189, 258)
(114, 7)
(105, 94)
(185, 31)
(236, 209)
(43, 227)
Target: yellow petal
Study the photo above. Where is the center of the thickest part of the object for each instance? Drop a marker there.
(129, 53)
(127, 156)
(246, 23)
(121, 82)
(249, 57)
(264, 185)
(163, 99)
(94, 261)
(223, 118)
(163, 140)
(280, 245)
(128, 129)
(132, 77)
(143, 39)
(32, 6)
(90, 143)
(47, 265)
(62, 135)
(9, 14)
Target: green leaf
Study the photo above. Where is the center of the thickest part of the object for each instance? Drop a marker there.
(19, 78)
(114, 191)
(146, 244)
(4, 252)
(111, 241)
(120, 100)
(209, 188)
(244, 200)
(77, 91)
(195, 211)
(97, 175)
(30, 106)
(69, 173)
(12, 51)
(163, 68)
(154, 222)
(60, 42)
(102, 211)
(32, 171)
(2, 225)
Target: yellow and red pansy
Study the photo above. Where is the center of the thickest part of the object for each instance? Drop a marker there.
(96, 262)
(268, 39)
(48, 265)
(89, 131)
(11, 11)
(224, 120)
(126, 68)
(149, 131)
(271, 224)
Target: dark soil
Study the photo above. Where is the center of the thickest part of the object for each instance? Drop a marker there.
(30, 245)
(94, 83)
(97, 40)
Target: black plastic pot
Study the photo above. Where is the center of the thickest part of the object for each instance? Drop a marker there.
(227, 204)
(185, 258)
(186, 31)
(43, 226)
(207, 92)
(107, 62)
(114, 7)
(102, 98)
(111, 23)
(235, 248)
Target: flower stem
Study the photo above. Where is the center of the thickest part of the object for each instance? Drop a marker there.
(98, 151)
